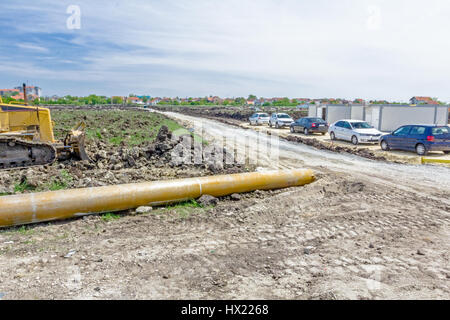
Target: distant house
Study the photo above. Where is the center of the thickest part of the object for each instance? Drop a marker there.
(9, 92)
(30, 97)
(422, 100)
(155, 101)
(135, 100)
(378, 102)
(31, 90)
(251, 102)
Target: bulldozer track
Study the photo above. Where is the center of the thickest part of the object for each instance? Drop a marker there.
(18, 153)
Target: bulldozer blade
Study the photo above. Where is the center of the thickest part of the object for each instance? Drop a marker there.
(76, 140)
(80, 150)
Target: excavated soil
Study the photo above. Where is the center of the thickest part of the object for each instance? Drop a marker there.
(118, 155)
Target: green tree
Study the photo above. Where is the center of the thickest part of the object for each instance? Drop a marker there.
(117, 100)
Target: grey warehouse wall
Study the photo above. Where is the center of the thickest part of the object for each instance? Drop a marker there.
(394, 117)
(336, 113)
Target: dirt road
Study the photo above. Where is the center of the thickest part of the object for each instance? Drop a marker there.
(367, 201)
(364, 230)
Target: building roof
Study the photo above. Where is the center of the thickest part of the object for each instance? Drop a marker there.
(425, 99)
(20, 96)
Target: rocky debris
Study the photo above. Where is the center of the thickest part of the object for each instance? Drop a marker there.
(4, 190)
(420, 252)
(168, 157)
(308, 250)
(164, 134)
(144, 210)
(207, 200)
(236, 197)
(366, 153)
(354, 187)
(183, 150)
(70, 253)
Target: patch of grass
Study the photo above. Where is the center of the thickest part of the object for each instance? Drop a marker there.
(60, 183)
(128, 126)
(93, 134)
(57, 185)
(110, 217)
(22, 186)
(185, 209)
(116, 140)
(24, 230)
(186, 204)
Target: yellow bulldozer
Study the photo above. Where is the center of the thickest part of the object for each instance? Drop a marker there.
(26, 137)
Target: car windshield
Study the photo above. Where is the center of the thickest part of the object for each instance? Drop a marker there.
(361, 125)
(263, 115)
(316, 120)
(283, 116)
(440, 131)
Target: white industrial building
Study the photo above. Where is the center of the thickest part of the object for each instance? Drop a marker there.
(387, 117)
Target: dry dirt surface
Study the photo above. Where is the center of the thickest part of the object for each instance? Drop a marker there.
(364, 230)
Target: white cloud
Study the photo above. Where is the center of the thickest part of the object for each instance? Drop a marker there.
(32, 47)
(267, 47)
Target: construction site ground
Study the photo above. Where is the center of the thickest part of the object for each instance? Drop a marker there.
(366, 229)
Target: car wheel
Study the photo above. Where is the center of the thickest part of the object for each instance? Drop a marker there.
(323, 133)
(277, 125)
(306, 131)
(332, 135)
(292, 130)
(447, 152)
(355, 140)
(385, 146)
(270, 124)
(421, 150)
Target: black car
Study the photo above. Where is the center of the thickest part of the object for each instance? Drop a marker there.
(419, 138)
(310, 125)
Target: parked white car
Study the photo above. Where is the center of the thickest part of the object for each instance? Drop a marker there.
(356, 131)
(280, 120)
(259, 119)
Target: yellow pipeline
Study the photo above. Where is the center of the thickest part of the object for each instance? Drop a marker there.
(64, 204)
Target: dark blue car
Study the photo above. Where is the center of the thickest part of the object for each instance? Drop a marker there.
(419, 138)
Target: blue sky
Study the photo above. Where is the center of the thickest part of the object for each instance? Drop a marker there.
(371, 49)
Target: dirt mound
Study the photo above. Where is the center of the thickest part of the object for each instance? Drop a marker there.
(366, 153)
(121, 164)
(242, 113)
